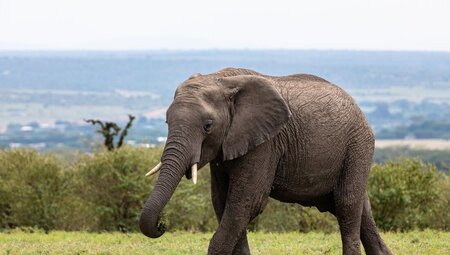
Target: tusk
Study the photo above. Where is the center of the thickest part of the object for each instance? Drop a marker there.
(194, 173)
(154, 170)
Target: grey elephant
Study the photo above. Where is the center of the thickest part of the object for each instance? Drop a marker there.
(298, 139)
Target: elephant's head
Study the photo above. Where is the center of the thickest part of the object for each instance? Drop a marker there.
(211, 117)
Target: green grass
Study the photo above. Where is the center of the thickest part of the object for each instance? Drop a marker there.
(16, 242)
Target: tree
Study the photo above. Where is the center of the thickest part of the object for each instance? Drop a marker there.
(110, 129)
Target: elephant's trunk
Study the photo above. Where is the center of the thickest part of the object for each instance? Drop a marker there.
(175, 162)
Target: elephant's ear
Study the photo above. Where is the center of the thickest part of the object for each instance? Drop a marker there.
(258, 113)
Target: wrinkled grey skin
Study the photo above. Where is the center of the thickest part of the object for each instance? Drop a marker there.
(298, 139)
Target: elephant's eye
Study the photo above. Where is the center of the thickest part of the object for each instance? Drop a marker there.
(207, 126)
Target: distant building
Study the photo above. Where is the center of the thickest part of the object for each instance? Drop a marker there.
(26, 128)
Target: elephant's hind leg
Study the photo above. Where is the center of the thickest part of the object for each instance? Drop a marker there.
(371, 239)
(349, 195)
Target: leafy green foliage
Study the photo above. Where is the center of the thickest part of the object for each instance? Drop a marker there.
(113, 186)
(408, 194)
(190, 208)
(32, 190)
(283, 217)
(105, 191)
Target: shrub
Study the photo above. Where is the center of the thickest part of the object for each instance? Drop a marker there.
(283, 217)
(190, 207)
(113, 186)
(408, 194)
(105, 191)
(114, 189)
(32, 188)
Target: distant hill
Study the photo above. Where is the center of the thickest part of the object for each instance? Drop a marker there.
(161, 71)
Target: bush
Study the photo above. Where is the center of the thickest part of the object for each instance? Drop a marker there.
(105, 191)
(113, 187)
(284, 217)
(32, 190)
(408, 194)
(190, 207)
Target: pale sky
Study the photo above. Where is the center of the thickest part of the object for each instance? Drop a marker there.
(227, 24)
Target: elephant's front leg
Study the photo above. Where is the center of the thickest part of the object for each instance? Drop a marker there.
(250, 180)
(219, 190)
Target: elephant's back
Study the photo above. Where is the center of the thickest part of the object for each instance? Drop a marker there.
(324, 121)
(300, 78)
(327, 108)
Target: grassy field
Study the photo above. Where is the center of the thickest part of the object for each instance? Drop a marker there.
(423, 242)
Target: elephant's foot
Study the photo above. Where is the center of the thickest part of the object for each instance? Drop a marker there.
(224, 243)
(217, 245)
(241, 251)
(371, 239)
(351, 247)
(242, 247)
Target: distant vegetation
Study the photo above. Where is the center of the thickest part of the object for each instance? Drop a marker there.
(439, 158)
(419, 130)
(64, 135)
(109, 130)
(105, 191)
(138, 70)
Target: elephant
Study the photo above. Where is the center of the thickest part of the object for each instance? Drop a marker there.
(297, 138)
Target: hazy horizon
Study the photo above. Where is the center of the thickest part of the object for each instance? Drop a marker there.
(80, 25)
(164, 50)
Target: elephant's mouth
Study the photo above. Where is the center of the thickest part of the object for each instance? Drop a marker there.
(191, 173)
(188, 174)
